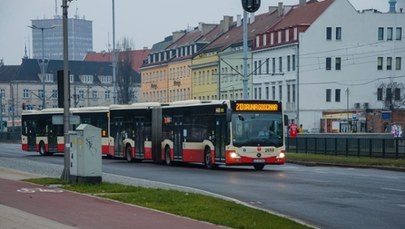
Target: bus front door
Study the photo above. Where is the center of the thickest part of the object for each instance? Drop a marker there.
(139, 137)
(178, 137)
(118, 137)
(220, 137)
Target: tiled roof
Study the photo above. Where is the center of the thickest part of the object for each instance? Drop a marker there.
(261, 23)
(137, 57)
(303, 14)
(8, 73)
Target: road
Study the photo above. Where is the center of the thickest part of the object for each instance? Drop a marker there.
(325, 197)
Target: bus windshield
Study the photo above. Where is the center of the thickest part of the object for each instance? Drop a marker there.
(257, 129)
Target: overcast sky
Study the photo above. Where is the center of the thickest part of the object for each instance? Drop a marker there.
(145, 22)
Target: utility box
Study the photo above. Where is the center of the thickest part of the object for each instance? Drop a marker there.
(86, 157)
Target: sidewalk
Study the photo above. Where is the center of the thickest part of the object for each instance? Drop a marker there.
(25, 205)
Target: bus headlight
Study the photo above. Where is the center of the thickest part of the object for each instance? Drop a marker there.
(281, 155)
(234, 155)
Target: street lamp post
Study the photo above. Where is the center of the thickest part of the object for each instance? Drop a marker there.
(43, 59)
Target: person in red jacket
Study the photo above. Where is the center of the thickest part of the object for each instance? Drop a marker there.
(293, 129)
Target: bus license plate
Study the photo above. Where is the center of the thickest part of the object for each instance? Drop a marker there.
(258, 160)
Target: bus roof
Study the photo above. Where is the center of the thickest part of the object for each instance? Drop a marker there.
(144, 105)
(195, 102)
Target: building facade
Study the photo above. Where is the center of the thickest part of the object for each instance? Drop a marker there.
(333, 71)
(80, 38)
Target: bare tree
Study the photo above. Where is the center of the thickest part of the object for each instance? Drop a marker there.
(392, 95)
(125, 76)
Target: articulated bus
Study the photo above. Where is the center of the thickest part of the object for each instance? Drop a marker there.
(212, 133)
(40, 134)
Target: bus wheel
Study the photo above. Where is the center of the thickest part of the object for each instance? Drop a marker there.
(208, 161)
(168, 160)
(258, 166)
(42, 149)
(128, 153)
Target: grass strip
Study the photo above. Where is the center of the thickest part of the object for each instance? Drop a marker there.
(192, 205)
(343, 160)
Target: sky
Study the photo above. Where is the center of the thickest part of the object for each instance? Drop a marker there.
(144, 22)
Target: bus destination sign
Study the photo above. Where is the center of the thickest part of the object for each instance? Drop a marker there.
(261, 107)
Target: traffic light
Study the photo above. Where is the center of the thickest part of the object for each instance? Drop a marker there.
(251, 6)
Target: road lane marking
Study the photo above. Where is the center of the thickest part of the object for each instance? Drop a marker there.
(393, 189)
(32, 190)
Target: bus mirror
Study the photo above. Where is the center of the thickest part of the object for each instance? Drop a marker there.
(285, 120)
(229, 115)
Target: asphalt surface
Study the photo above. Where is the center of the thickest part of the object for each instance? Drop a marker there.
(25, 205)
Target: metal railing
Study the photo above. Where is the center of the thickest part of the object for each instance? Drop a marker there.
(379, 147)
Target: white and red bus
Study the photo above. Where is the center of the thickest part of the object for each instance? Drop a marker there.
(214, 132)
(225, 132)
(40, 134)
(131, 130)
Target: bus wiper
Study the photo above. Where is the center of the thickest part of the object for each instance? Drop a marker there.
(241, 118)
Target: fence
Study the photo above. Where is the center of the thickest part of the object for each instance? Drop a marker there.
(13, 135)
(381, 146)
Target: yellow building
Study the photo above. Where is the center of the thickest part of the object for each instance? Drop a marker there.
(204, 76)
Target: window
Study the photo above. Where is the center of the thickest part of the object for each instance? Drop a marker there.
(255, 70)
(380, 33)
(260, 93)
(267, 93)
(293, 62)
(289, 93)
(379, 63)
(398, 35)
(398, 63)
(397, 94)
(328, 95)
(260, 67)
(338, 33)
(379, 94)
(273, 88)
(94, 94)
(280, 92)
(267, 66)
(274, 65)
(328, 63)
(81, 94)
(389, 33)
(293, 91)
(26, 93)
(338, 61)
(54, 93)
(388, 94)
(107, 94)
(328, 33)
(389, 63)
(40, 93)
(280, 62)
(288, 63)
(337, 95)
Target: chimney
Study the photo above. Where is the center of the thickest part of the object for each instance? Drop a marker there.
(272, 9)
(251, 18)
(280, 9)
(205, 28)
(178, 34)
(303, 2)
(238, 20)
(226, 23)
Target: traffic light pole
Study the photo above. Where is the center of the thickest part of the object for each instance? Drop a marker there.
(66, 103)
